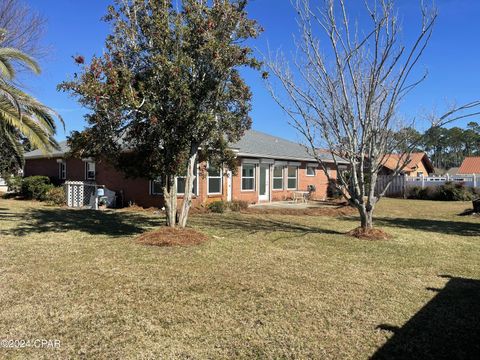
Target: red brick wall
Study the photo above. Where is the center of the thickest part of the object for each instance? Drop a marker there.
(137, 190)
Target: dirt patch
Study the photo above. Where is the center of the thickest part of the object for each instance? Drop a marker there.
(369, 234)
(317, 211)
(171, 237)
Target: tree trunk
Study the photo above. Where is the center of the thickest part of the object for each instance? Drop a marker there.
(170, 198)
(187, 197)
(366, 218)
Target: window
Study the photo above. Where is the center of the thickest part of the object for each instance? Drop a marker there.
(90, 170)
(292, 178)
(311, 170)
(214, 180)
(181, 183)
(420, 173)
(248, 177)
(62, 170)
(278, 177)
(156, 187)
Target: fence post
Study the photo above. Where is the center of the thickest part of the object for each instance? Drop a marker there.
(423, 181)
(474, 180)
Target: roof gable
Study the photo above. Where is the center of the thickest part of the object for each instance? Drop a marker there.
(392, 160)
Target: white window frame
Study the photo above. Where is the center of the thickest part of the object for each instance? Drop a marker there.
(62, 170)
(282, 167)
(220, 176)
(249, 177)
(195, 183)
(314, 167)
(296, 177)
(87, 171)
(151, 187)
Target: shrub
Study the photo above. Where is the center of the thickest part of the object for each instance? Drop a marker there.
(217, 206)
(332, 191)
(56, 196)
(447, 192)
(454, 192)
(36, 187)
(238, 205)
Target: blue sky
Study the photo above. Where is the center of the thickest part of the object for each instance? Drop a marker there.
(452, 58)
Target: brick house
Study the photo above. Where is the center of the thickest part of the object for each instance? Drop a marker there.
(269, 169)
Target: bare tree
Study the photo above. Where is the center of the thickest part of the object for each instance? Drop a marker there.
(344, 88)
(23, 28)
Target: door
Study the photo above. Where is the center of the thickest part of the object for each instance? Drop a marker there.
(264, 188)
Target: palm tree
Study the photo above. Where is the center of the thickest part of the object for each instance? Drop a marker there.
(21, 115)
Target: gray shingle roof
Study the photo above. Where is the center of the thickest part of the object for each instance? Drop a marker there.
(258, 144)
(253, 144)
(56, 153)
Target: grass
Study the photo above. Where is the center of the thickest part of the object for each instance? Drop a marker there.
(264, 286)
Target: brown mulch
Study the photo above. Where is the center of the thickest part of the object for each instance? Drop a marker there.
(369, 234)
(317, 211)
(167, 236)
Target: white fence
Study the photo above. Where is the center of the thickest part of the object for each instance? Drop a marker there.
(400, 183)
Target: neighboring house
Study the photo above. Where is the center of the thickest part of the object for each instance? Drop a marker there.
(470, 165)
(269, 169)
(418, 165)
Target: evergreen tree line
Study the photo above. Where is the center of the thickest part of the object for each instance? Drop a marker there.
(446, 147)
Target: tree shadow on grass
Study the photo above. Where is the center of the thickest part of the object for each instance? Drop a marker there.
(461, 228)
(93, 222)
(447, 327)
(256, 224)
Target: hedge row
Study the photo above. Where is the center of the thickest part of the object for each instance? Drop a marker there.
(449, 191)
(38, 188)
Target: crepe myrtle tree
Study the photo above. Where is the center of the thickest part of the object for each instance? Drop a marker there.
(167, 92)
(344, 85)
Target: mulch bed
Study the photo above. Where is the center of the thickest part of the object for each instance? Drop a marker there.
(167, 236)
(369, 234)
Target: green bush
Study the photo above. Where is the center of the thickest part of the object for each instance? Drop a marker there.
(217, 206)
(36, 187)
(238, 205)
(454, 192)
(449, 191)
(56, 196)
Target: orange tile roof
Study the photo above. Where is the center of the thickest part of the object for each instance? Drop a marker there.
(470, 165)
(392, 160)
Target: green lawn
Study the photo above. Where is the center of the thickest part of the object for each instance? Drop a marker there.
(263, 286)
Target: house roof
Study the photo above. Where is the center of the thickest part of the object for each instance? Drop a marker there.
(258, 144)
(252, 144)
(470, 165)
(392, 160)
(61, 151)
